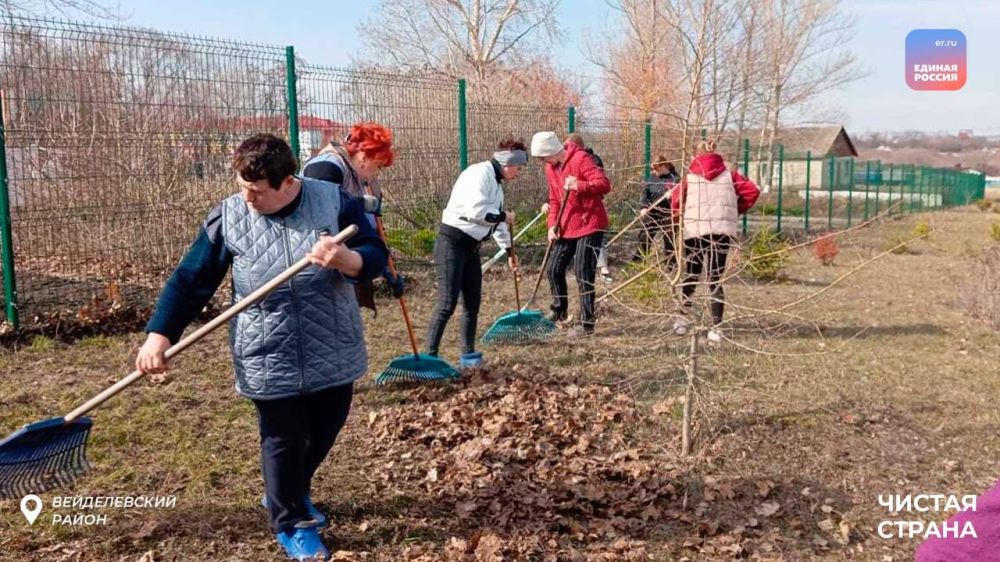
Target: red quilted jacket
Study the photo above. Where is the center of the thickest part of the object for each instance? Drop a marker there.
(585, 212)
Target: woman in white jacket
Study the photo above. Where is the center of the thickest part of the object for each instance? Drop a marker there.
(474, 213)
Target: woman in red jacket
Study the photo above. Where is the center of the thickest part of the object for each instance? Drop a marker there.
(709, 201)
(578, 236)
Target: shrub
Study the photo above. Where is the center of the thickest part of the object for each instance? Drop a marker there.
(984, 204)
(922, 229)
(413, 242)
(825, 249)
(995, 232)
(768, 254)
(647, 289)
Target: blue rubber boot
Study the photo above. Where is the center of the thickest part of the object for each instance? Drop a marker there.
(303, 544)
(472, 360)
(316, 514)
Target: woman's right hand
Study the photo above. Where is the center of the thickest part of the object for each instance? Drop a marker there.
(150, 359)
(545, 208)
(553, 234)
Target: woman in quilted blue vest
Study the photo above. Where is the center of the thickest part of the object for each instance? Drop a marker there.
(299, 350)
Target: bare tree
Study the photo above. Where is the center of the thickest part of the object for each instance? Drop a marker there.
(459, 37)
(57, 7)
(804, 55)
(637, 63)
(700, 53)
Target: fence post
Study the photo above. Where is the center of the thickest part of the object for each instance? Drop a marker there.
(463, 132)
(889, 183)
(878, 186)
(829, 213)
(293, 103)
(868, 172)
(781, 173)
(850, 190)
(6, 236)
(746, 174)
(808, 166)
(937, 189)
(571, 119)
(924, 186)
(647, 149)
(912, 184)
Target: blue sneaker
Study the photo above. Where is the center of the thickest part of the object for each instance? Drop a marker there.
(303, 544)
(471, 360)
(316, 514)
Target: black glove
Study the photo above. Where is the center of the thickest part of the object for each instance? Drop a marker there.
(396, 284)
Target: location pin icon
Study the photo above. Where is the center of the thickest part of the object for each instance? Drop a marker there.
(31, 506)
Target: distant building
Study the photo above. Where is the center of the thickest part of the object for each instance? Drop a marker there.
(818, 144)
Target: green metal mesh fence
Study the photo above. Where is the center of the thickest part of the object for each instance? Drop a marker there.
(118, 141)
(422, 113)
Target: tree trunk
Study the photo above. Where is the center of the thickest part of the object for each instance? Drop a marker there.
(692, 371)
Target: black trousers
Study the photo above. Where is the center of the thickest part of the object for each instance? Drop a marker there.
(706, 254)
(456, 258)
(296, 434)
(582, 253)
(651, 225)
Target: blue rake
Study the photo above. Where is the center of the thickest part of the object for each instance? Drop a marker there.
(416, 368)
(520, 326)
(43, 455)
(52, 453)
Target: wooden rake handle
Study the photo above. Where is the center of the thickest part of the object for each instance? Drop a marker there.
(208, 328)
(636, 219)
(392, 270)
(629, 281)
(517, 290)
(548, 249)
(496, 257)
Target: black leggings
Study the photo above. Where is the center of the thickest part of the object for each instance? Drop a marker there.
(582, 252)
(707, 252)
(458, 272)
(296, 433)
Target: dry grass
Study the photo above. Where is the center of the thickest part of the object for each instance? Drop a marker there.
(881, 387)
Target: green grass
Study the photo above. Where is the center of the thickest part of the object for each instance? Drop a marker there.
(41, 343)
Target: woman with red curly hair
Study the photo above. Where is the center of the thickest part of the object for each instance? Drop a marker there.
(355, 165)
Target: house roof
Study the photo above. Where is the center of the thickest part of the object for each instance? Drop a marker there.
(821, 141)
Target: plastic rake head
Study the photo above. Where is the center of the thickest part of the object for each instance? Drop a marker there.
(519, 327)
(42, 456)
(416, 368)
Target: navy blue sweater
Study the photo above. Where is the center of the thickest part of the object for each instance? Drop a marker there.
(203, 268)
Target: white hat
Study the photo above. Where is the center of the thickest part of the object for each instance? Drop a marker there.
(544, 144)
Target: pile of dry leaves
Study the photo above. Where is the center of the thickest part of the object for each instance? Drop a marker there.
(550, 463)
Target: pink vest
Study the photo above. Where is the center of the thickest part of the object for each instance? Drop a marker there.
(710, 206)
